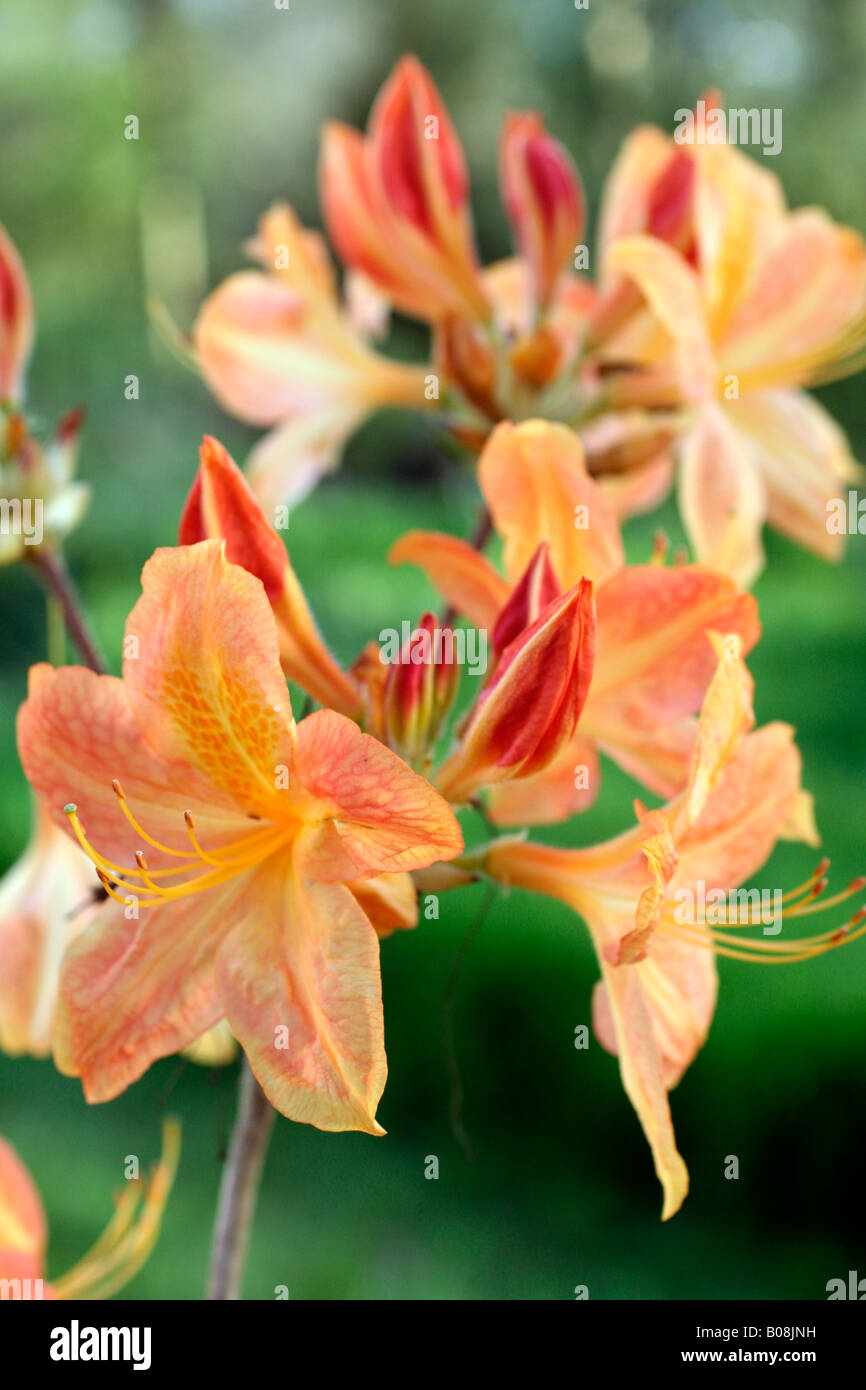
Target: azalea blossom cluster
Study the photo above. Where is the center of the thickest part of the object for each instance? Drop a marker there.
(684, 354)
(224, 834)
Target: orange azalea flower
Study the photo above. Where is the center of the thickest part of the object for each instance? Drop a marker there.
(769, 302)
(653, 663)
(116, 1257)
(230, 850)
(654, 1003)
(278, 350)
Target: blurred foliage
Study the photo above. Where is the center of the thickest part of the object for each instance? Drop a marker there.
(230, 95)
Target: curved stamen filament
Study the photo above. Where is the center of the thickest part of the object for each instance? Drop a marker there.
(190, 830)
(155, 844)
(131, 1233)
(197, 853)
(799, 902)
(125, 884)
(760, 952)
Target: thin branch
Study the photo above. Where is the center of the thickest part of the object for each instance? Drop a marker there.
(56, 578)
(239, 1187)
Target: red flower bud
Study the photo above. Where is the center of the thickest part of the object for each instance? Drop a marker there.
(529, 711)
(537, 587)
(543, 197)
(419, 691)
(16, 320)
(221, 504)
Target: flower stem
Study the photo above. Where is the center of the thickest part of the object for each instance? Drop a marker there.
(55, 631)
(56, 578)
(239, 1187)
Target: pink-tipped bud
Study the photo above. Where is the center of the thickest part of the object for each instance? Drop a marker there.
(543, 197)
(537, 587)
(530, 710)
(419, 691)
(396, 201)
(669, 214)
(16, 321)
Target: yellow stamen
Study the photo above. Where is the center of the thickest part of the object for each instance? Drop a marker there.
(799, 902)
(131, 1234)
(141, 882)
(190, 830)
(164, 849)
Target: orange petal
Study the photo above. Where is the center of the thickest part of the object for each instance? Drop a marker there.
(654, 664)
(660, 853)
(15, 1264)
(135, 989)
(722, 497)
(374, 815)
(464, 578)
(745, 814)
(286, 465)
(804, 320)
(204, 676)
(360, 226)
(725, 716)
(535, 482)
(569, 785)
(603, 885)
(679, 983)
(389, 900)
(22, 1219)
(623, 1016)
(77, 732)
(673, 291)
(420, 165)
(298, 257)
(728, 228)
(300, 984)
(804, 459)
(255, 356)
(643, 161)
(534, 591)
(45, 899)
(222, 505)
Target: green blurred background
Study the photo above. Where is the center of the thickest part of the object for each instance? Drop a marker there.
(561, 1192)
